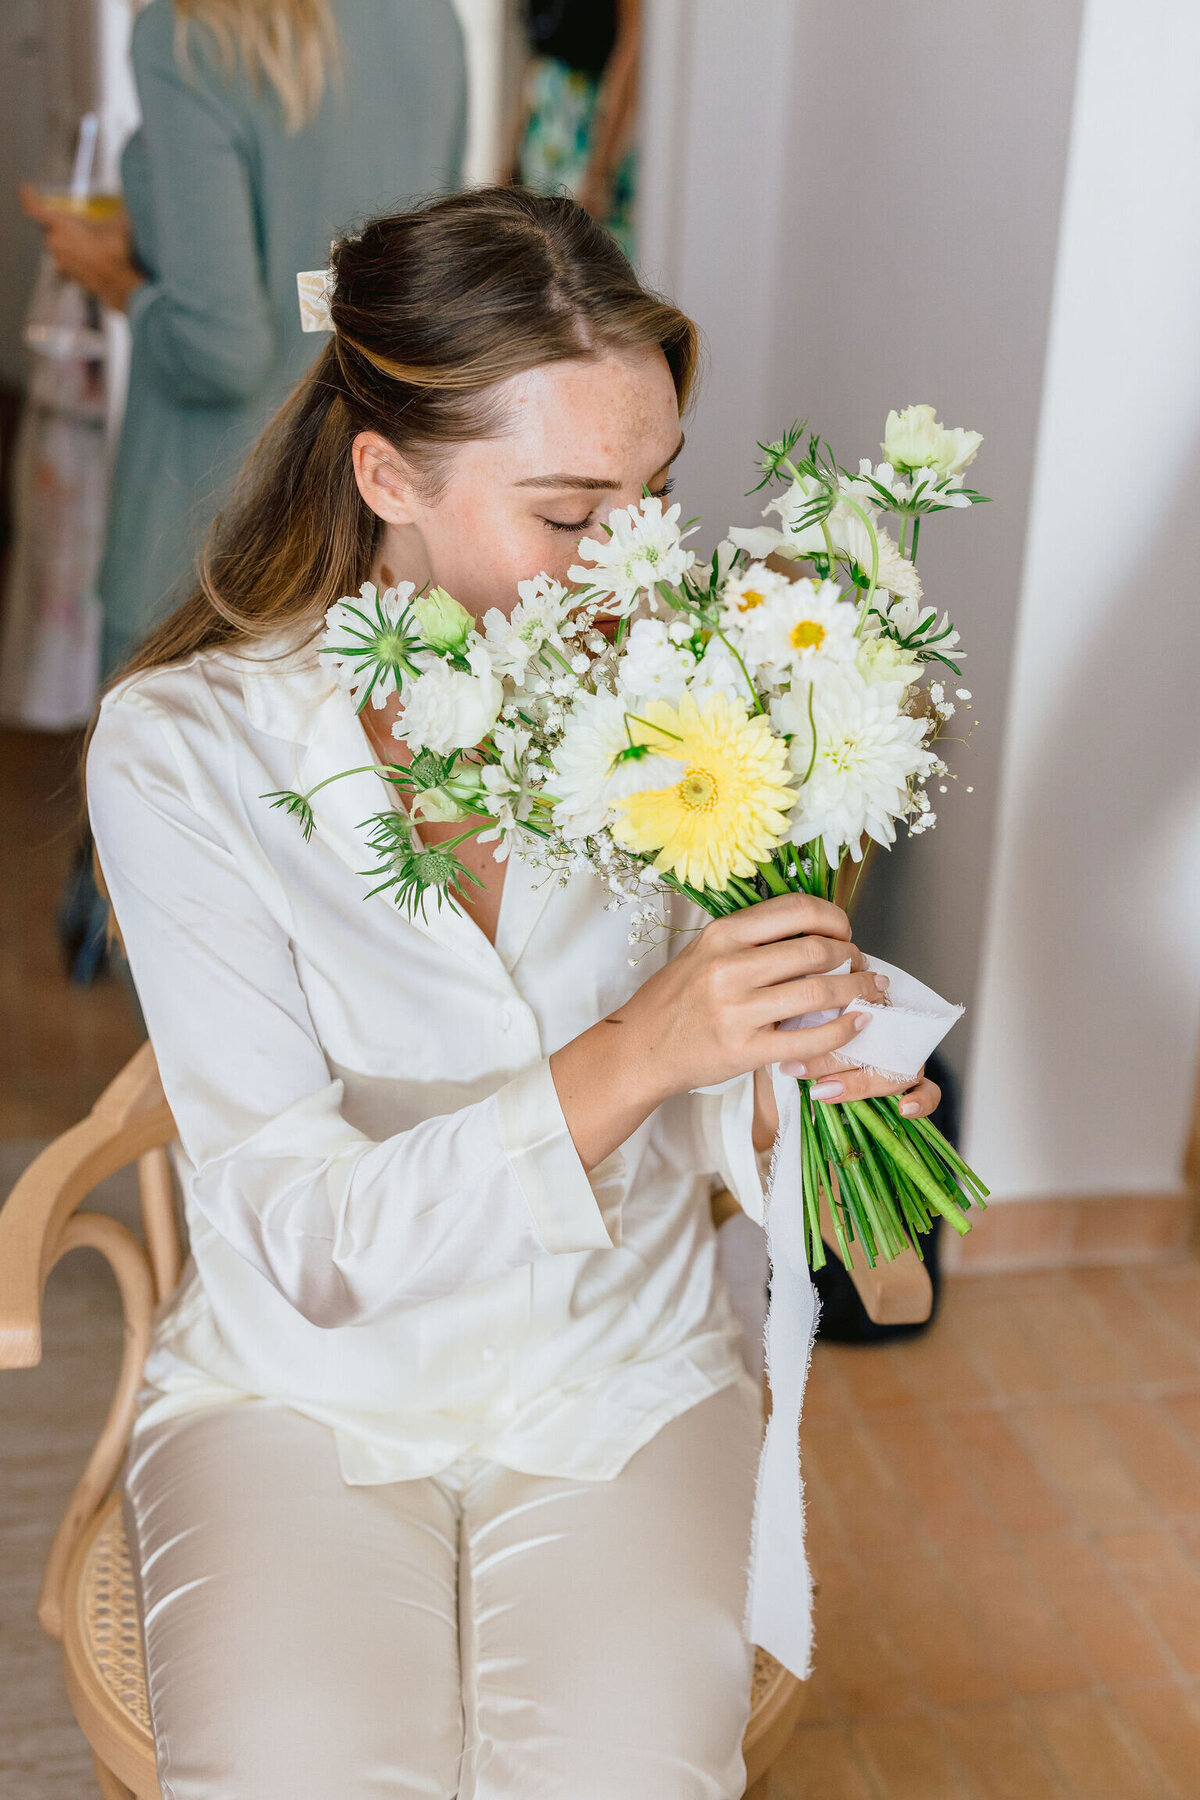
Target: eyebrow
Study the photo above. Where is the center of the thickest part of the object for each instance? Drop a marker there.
(592, 483)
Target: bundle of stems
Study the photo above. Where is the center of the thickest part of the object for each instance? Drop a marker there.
(886, 1177)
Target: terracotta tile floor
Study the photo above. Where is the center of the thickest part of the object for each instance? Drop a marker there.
(1005, 1522)
(1005, 1513)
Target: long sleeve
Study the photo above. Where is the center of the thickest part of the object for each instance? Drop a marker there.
(203, 323)
(724, 1119)
(721, 1117)
(344, 1226)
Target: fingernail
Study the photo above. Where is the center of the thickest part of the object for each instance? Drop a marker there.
(908, 1108)
(883, 983)
(796, 1069)
(861, 1021)
(826, 1090)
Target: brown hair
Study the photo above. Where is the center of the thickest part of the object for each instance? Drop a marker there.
(431, 309)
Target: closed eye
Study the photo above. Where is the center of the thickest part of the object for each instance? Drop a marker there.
(581, 525)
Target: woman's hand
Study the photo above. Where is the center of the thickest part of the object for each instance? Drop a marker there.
(94, 252)
(713, 1012)
(832, 1081)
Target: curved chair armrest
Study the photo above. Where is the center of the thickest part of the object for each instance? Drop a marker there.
(130, 1119)
(131, 1266)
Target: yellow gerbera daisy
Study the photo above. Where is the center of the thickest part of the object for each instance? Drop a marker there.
(728, 810)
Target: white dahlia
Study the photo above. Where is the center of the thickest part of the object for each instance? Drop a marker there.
(867, 751)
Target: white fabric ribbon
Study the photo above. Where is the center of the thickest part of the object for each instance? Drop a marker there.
(901, 1035)
(905, 1029)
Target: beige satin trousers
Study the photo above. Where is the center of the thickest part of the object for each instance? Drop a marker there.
(479, 1633)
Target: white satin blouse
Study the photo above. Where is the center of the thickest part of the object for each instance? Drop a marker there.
(390, 1228)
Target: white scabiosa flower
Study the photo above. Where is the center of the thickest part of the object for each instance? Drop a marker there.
(645, 546)
(896, 575)
(595, 763)
(508, 787)
(854, 761)
(372, 643)
(790, 537)
(515, 639)
(447, 709)
(652, 666)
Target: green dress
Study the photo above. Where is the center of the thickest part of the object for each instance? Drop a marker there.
(554, 153)
(225, 207)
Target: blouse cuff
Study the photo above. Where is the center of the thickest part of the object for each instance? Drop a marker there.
(572, 1209)
(727, 1130)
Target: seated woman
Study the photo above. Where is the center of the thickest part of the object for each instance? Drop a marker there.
(443, 1474)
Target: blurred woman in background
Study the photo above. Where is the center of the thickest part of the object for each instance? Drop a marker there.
(267, 126)
(580, 102)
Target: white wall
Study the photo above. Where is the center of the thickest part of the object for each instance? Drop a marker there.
(1082, 1074)
(860, 205)
(867, 205)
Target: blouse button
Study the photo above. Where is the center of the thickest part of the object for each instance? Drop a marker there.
(506, 1018)
(489, 1353)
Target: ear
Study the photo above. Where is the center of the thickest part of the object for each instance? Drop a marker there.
(384, 479)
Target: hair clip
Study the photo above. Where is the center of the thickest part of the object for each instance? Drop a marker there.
(315, 290)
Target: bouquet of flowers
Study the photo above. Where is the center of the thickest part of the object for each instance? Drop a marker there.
(718, 728)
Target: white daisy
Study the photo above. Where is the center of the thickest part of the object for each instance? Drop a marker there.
(807, 630)
(746, 597)
(593, 765)
(645, 546)
(866, 753)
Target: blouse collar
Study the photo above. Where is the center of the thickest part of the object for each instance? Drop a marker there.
(291, 694)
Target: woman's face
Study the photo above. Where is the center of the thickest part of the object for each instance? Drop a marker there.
(578, 438)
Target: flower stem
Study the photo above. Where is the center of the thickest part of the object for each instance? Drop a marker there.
(773, 878)
(894, 1147)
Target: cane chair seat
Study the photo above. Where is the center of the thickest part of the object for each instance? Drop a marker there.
(106, 1670)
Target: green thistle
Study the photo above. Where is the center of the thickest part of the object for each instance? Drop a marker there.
(414, 872)
(380, 644)
(296, 805)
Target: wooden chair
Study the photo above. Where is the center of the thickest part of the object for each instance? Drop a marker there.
(87, 1597)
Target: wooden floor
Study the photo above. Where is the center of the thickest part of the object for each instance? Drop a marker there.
(1004, 1514)
(59, 1044)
